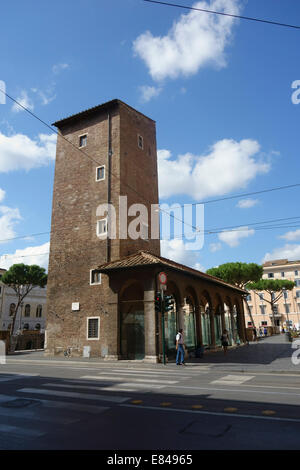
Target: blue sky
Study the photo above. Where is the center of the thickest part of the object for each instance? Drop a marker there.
(219, 90)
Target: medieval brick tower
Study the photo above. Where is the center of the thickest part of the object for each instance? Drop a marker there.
(102, 153)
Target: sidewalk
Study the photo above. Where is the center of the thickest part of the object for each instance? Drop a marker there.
(269, 355)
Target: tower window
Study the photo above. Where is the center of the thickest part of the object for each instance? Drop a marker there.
(93, 327)
(95, 277)
(140, 142)
(102, 227)
(100, 173)
(83, 140)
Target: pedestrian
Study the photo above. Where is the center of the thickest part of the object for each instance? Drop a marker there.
(225, 340)
(265, 331)
(283, 331)
(180, 348)
(254, 334)
(261, 333)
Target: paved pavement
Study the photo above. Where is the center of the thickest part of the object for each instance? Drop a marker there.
(270, 354)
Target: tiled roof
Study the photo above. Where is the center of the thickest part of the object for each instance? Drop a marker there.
(145, 258)
(86, 112)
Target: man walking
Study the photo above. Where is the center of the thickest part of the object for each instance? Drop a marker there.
(180, 348)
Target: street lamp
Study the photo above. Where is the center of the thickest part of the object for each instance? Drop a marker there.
(286, 310)
(297, 310)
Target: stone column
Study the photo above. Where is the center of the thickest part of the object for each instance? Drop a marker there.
(212, 327)
(241, 323)
(198, 325)
(180, 314)
(150, 327)
(223, 323)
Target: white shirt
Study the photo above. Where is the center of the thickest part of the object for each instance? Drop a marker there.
(179, 338)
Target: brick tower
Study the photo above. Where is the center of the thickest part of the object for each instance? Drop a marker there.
(102, 153)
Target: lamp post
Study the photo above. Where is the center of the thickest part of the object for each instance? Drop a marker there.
(286, 310)
(297, 310)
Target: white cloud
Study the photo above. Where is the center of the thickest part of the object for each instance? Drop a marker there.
(233, 238)
(31, 255)
(2, 194)
(57, 68)
(47, 96)
(213, 247)
(19, 152)
(194, 41)
(288, 251)
(149, 92)
(8, 219)
(176, 250)
(25, 101)
(291, 236)
(246, 203)
(230, 165)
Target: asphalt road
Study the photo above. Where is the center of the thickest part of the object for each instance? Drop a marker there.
(73, 405)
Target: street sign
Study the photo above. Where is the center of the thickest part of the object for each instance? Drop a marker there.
(162, 277)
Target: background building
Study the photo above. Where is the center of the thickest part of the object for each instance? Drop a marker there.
(31, 315)
(287, 307)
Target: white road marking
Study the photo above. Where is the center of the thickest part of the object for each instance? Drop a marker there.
(106, 377)
(233, 379)
(136, 371)
(84, 396)
(135, 387)
(235, 415)
(25, 374)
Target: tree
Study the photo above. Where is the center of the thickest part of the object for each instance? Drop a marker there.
(238, 274)
(271, 286)
(22, 279)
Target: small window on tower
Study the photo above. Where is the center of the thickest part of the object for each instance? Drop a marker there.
(102, 227)
(83, 140)
(93, 327)
(140, 142)
(95, 277)
(100, 173)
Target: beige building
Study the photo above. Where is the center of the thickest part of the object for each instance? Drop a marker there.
(31, 315)
(287, 307)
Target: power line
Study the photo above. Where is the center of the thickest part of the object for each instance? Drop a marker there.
(210, 232)
(248, 18)
(82, 151)
(206, 231)
(133, 189)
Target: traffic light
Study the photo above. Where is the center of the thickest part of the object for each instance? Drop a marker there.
(158, 302)
(168, 303)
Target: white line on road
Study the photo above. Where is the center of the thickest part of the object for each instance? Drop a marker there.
(233, 379)
(119, 379)
(103, 388)
(213, 389)
(235, 415)
(136, 371)
(84, 396)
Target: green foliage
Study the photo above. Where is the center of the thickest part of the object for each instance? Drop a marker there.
(271, 285)
(237, 273)
(25, 275)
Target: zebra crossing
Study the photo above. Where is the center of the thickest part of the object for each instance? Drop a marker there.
(38, 410)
